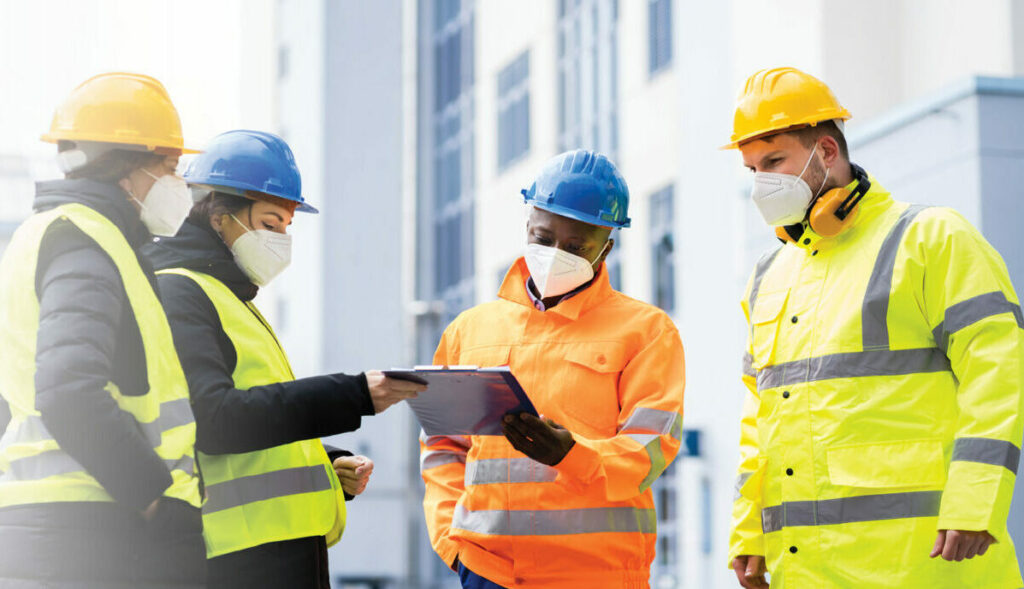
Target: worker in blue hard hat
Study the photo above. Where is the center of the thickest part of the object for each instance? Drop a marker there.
(563, 500)
(275, 496)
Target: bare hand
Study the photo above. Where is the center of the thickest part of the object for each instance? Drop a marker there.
(960, 544)
(750, 571)
(385, 391)
(542, 440)
(353, 472)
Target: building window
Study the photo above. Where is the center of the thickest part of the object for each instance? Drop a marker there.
(514, 110)
(447, 231)
(663, 274)
(588, 64)
(659, 21)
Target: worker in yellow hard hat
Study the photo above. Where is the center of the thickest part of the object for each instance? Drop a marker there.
(97, 480)
(881, 435)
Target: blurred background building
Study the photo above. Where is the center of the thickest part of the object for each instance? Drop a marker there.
(416, 123)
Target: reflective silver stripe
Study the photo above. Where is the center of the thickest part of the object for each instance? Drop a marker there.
(740, 481)
(185, 464)
(853, 364)
(269, 485)
(658, 463)
(556, 522)
(875, 309)
(987, 451)
(850, 510)
(973, 310)
(759, 271)
(508, 470)
(40, 466)
(656, 420)
(173, 414)
(436, 458)
(748, 365)
(462, 441)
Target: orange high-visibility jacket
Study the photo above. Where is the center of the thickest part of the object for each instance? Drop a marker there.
(610, 370)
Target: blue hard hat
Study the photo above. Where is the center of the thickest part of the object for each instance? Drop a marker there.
(241, 161)
(582, 185)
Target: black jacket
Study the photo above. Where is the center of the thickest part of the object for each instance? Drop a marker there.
(87, 337)
(230, 420)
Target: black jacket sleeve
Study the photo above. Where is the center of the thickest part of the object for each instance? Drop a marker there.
(81, 299)
(231, 420)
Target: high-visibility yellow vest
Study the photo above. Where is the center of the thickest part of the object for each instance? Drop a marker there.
(34, 467)
(281, 493)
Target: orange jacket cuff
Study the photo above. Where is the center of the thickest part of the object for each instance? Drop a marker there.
(579, 465)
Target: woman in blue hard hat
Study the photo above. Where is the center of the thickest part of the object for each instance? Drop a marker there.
(273, 501)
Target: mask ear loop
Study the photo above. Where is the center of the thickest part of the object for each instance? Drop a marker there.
(601, 253)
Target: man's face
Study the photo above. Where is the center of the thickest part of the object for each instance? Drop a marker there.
(569, 235)
(783, 154)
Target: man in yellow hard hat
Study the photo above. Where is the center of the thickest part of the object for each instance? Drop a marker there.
(98, 486)
(885, 368)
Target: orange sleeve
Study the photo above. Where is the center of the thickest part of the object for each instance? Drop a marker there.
(650, 424)
(443, 468)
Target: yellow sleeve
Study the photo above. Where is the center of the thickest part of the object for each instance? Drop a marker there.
(746, 536)
(650, 424)
(443, 468)
(976, 319)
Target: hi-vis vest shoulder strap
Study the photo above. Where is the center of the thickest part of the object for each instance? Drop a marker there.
(280, 493)
(34, 468)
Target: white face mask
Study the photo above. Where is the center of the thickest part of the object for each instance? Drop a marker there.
(783, 199)
(262, 254)
(556, 272)
(167, 204)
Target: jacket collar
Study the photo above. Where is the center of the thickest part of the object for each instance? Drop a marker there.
(513, 289)
(198, 247)
(876, 200)
(108, 200)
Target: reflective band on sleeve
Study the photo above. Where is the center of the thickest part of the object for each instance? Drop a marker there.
(435, 458)
(875, 310)
(269, 485)
(556, 522)
(645, 419)
(740, 481)
(185, 464)
(852, 365)
(850, 510)
(987, 451)
(462, 441)
(658, 463)
(971, 311)
(748, 365)
(508, 470)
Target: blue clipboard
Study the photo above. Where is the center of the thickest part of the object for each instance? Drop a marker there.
(465, 401)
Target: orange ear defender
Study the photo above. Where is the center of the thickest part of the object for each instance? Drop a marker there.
(834, 211)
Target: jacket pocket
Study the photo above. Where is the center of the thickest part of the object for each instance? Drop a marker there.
(764, 321)
(590, 377)
(907, 463)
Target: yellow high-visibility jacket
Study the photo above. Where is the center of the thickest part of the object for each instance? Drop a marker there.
(886, 376)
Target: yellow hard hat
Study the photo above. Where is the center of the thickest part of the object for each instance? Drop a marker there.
(130, 109)
(777, 99)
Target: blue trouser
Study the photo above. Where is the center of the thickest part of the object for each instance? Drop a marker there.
(471, 580)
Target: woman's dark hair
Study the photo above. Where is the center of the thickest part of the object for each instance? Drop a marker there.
(216, 204)
(114, 165)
